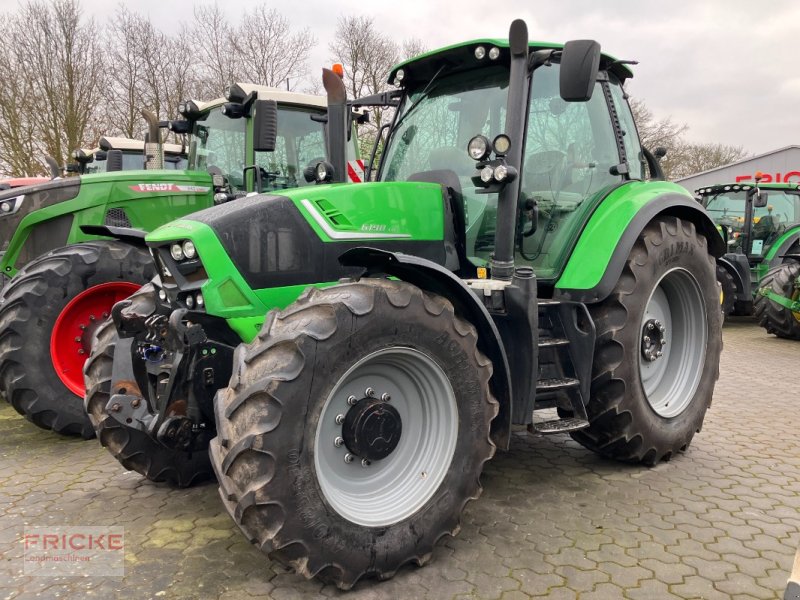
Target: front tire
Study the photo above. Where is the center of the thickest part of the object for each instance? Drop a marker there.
(658, 346)
(377, 371)
(135, 450)
(49, 313)
(776, 319)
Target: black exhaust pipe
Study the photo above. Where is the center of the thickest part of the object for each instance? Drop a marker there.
(337, 123)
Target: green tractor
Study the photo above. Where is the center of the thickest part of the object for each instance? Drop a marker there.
(347, 358)
(63, 271)
(130, 157)
(760, 226)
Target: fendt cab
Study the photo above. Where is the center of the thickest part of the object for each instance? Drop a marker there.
(132, 157)
(760, 226)
(511, 257)
(257, 139)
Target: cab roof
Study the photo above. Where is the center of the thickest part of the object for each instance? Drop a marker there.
(743, 186)
(122, 143)
(461, 56)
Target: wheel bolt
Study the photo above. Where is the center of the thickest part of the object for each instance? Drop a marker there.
(386, 397)
(116, 407)
(339, 419)
(105, 315)
(91, 318)
(661, 328)
(647, 339)
(664, 342)
(370, 392)
(650, 326)
(135, 403)
(659, 353)
(82, 327)
(81, 351)
(352, 400)
(348, 458)
(365, 463)
(77, 339)
(338, 441)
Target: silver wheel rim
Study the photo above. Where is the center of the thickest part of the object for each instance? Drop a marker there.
(671, 379)
(389, 490)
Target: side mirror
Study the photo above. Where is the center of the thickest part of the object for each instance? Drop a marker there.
(265, 126)
(580, 63)
(100, 155)
(660, 152)
(114, 160)
(760, 199)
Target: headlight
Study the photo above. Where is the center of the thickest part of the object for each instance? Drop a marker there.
(322, 171)
(189, 301)
(176, 251)
(494, 53)
(486, 174)
(200, 300)
(5, 207)
(480, 52)
(162, 295)
(189, 251)
(501, 144)
(500, 172)
(478, 147)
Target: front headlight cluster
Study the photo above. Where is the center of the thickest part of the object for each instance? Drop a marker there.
(183, 251)
(10, 205)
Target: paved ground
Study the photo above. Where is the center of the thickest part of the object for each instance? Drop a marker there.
(554, 520)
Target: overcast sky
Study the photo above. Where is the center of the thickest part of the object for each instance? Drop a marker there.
(730, 69)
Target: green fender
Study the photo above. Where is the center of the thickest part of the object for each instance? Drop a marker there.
(597, 260)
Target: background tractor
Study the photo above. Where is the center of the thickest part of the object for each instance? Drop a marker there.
(68, 272)
(760, 225)
(131, 157)
(352, 355)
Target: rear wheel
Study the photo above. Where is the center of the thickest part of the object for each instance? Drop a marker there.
(776, 319)
(354, 430)
(658, 346)
(135, 450)
(49, 314)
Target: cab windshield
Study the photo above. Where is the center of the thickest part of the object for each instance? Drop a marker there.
(727, 209)
(568, 160)
(218, 142)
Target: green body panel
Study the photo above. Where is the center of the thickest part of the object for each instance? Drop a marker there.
(140, 193)
(410, 209)
(598, 240)
(382, 210)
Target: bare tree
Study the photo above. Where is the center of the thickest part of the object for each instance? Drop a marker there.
(60, 51)
(214, 50)
(18, 137)
(696, 158)
(368, 56)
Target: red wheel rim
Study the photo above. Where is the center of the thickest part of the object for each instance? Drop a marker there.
(71, 338)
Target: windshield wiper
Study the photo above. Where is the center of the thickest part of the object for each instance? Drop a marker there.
(426, 91)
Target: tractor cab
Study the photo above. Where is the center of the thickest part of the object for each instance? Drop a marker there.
(759, 223)
(127, 154)
(451, 129)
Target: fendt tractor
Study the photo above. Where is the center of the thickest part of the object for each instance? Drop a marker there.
(352, 355)
(53, 305)
(760, 226)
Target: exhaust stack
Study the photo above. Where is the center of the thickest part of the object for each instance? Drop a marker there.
(153, 150)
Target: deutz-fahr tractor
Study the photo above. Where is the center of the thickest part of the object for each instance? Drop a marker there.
(760, 225)
(353, 355)
(53, 305)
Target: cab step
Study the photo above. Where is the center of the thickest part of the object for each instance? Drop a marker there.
(554, 384)
(553, 342)
(558, 426)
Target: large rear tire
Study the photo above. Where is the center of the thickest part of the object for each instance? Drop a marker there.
(658, 346)
(354, 430)
(776, 319)
(135, 450)
(49, 313)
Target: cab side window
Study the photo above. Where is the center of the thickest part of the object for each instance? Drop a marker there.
(633, 147)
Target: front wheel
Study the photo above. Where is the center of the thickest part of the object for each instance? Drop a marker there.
(354, 430)
(776, 319)
(49, 314)
(658, 346)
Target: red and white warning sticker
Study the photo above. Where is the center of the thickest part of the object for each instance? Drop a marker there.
(169, 187)
(355, 171)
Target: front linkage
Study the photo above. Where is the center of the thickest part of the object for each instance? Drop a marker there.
(165, 373)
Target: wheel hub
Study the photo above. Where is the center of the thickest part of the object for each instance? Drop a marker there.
(653, 340)
(372, 429)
